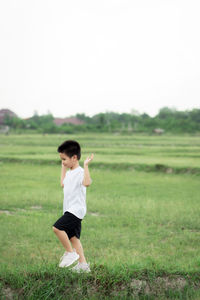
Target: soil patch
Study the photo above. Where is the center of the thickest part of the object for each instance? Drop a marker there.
(94, 214)
(7, 212)
(36, 207)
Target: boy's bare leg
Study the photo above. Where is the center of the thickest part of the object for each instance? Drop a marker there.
(76, 243)
(63, 237)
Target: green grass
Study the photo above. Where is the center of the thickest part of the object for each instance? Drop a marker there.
(136, 151)
(141, 232)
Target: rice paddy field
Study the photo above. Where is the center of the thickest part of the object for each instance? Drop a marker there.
(141, 233)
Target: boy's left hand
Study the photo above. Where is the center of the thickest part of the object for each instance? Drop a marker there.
(88, 160)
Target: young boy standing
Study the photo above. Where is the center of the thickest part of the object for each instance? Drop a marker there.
(74, 183)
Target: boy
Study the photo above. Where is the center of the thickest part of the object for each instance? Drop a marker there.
(74, 183)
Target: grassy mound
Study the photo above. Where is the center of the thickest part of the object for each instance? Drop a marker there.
(121, 282)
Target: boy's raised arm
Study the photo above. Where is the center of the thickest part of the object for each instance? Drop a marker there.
(63, 172)
(87, 180)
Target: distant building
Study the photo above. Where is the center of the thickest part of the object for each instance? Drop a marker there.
(6, 112)
(72, 120)
(158, 130)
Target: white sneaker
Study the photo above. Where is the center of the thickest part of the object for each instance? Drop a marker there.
(81, 267)
(68, 259)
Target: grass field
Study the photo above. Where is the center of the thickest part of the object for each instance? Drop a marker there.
(141, 233)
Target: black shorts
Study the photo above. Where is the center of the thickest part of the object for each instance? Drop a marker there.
(70, 224)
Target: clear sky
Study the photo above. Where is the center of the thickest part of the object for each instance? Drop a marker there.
(68, 57)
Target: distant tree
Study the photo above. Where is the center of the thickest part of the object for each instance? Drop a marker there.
(195, 115)
(14, 122)
(83, 117)
(165, 112)
(145, 116)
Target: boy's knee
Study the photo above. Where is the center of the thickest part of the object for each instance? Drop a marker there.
(74, 239)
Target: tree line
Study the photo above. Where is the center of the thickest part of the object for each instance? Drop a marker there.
(168, 119)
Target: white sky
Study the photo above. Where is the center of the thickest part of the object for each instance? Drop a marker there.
(90, 56)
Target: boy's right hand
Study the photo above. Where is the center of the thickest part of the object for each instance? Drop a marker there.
(88, 160)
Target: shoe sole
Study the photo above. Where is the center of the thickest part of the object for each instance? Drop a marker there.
(81, 271)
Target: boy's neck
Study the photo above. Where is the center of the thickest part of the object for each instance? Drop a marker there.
(75, 166)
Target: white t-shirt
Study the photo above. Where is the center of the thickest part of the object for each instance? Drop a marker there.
(74, 193)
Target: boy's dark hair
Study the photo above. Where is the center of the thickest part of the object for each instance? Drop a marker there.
(70, 148)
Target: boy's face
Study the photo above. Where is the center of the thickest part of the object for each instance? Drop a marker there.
(68, 161)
